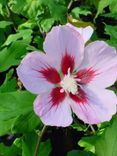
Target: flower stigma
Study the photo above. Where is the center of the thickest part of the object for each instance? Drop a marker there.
(69, 84)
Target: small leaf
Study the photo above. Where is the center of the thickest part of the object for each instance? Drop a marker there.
(80, 153)
(76, 12)
(4, 24)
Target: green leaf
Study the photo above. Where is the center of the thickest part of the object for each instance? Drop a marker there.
(76, 12)
(29, 144)
(89, 142)
(25, 35)
(112, 31)
(4, 24)
(14, 105)
(12, 55)
(106, 145)
(46, 24)
(79, 153)
(9, 151)
(9, 84)
(25, 123)
(104, 3)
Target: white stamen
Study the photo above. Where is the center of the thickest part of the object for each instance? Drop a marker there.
(69, 84)
(62, 90)
(78, 79)
(68, 72)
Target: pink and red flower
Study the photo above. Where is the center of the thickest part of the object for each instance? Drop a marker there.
(71, 78)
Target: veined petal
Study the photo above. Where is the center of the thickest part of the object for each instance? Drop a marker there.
(99, 107)
(37, 72)
(85, 32)
(62, 39)
(102, 58)
(53, 108)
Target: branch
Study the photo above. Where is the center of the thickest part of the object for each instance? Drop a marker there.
(36, 153)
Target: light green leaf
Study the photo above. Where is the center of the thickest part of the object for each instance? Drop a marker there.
(101, 5)
(46, 24)
(80, 153)
(112, 31)
(76, 12)
(106, 145)
(25, 35)
(4, 24)
(89, 142)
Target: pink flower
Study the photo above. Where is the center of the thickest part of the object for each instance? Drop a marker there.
(71, 78)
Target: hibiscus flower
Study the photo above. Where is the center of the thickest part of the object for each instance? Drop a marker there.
(71, 78)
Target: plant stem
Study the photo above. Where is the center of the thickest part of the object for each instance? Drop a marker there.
(36, 153)
(93, 130)
(11, 17)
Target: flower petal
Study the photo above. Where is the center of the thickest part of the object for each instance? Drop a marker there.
(62, 39)
(85, 32)
(53, 108)
(101, 58)
(99, 107)
(37, 72)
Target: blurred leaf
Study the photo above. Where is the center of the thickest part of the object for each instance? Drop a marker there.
(4, 24)
(8, 151)
(106, 145)
(79, 126)
(80, 153)
(112, 32)
(104, 3)
(29, 145)
(101, 5)
(9, 84)
(76, 12)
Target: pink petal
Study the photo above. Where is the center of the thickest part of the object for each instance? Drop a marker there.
(85, 32)
(37, 72)
(53, 108)
(101, 58)
(99, 107)
(62, 39)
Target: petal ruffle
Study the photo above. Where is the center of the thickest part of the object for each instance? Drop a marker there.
(37, 72)
(100, 106)
(58, 114)
(102, 59)
(62, 39)
(85, 32)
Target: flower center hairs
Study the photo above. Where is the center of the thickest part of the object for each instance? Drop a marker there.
(69, 84)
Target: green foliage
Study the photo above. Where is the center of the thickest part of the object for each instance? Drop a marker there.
(106, 145)
(31, 139)
(76, 12)
(23, 27)
(20, 104)
(80, 153)
(112, 32)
